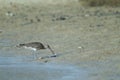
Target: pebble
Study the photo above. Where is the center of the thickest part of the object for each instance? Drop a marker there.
(0, 31)
(9, 14)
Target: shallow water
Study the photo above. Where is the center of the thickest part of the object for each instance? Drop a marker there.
(13, 69)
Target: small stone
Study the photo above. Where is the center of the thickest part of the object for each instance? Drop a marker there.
(86, 15)
(0, 31)
(9, 14)
(38, 20)
(31, 20)
(99, 25)
(80, 47)
(61, 18)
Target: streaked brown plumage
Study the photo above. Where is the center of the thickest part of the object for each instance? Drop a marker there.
(36, 46)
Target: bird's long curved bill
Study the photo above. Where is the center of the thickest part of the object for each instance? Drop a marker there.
(51, 50)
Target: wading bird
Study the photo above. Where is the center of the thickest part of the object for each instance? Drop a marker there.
(37, 46)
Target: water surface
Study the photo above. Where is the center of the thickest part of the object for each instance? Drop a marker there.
(14, 69)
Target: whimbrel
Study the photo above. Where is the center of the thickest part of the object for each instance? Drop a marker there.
(37, 46)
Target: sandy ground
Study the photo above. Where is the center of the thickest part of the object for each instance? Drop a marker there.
(83, 36)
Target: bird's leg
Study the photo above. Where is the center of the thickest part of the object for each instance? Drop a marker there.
(34, 55)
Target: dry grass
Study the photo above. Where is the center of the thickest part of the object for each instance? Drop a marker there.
(100, 2)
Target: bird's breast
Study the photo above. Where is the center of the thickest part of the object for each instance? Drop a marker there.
(31, 48)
